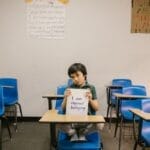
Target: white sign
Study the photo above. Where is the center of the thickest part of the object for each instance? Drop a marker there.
(77, 103)
(46, 19)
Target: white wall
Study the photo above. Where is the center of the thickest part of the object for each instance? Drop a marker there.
(97, 34)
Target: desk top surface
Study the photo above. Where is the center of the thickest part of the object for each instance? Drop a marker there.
(114, 86)
(53, 96)
(140, 113)
(51, 116)
(118, 95)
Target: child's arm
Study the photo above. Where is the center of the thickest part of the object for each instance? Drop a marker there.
(93, 102)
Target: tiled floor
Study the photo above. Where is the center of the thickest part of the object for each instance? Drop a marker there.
(35, 136)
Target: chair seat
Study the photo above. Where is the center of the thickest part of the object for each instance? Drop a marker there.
(67, 145)
(146, 139)
(126, 105)
(145, 135)
(9, 101)
(129, 116)
(93, 142)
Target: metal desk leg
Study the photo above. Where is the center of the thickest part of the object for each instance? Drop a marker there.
(50, 103)
(53, 134)
(52, 127)
(117, 122)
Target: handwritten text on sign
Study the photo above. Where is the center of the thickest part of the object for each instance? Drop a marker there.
(46, 19)
(77, 103)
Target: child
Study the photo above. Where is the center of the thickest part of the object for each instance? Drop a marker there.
(78, 73)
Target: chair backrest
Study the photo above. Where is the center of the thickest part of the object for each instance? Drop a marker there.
(125, 105)
(60, 91)
(70, 82)
(1, 102)
(145, 127)
(135, 90)
(119, 82)
(122, 82)
(146, 105)
(10, 92)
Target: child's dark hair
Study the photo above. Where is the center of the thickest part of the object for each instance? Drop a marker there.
(77, 67)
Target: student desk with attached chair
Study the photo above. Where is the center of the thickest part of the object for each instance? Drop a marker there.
(52, 117)
(119, 98)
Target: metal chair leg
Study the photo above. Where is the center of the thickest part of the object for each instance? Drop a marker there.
(20, 109)
(120, 134)
(135, 145)
(134, 132)
(143, 148)
(9, 131)
(15, 123)
(116, 127)
(107, 111)
(110, 117)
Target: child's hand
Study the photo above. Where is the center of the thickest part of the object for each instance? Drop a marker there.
(89, 95)
(67, 93)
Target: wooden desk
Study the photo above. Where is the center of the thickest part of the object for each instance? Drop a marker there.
(129, 97)
(114, 86)
(141, 114)
(108, 91)
(51, 117)
(119, 98)
(51, 97)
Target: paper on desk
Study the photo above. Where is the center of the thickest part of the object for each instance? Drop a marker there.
(77, 103)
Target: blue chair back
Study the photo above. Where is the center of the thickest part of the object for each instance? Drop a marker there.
(145, 127)
(125, 105)
(135, 90)
(2, 108)
(10, 94)
(122, 82)
(70, 82)
(60, 91)
(119, 82)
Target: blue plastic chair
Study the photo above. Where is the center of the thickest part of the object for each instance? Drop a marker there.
(2, 116)
(144, 127)
(60, 91)
(10, 95)
(119, 82)
(111, 101)
(63, 143)
(126, 105)
(70, 82)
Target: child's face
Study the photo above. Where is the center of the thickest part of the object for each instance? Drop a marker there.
(78, 78)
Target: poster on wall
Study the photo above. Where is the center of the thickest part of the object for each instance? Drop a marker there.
(46, 19)
(140, 22)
